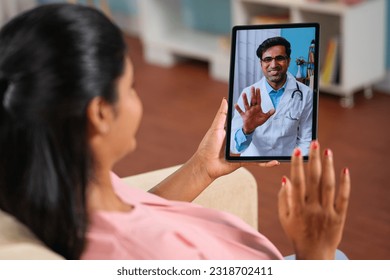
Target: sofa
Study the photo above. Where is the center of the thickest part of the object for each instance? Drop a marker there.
(235, 193)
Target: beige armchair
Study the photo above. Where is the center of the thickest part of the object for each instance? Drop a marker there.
(235, 193)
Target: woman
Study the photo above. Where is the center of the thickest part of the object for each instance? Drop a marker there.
(69, 112)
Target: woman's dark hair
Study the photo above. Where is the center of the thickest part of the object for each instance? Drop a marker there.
(54, 60)
(271, 42)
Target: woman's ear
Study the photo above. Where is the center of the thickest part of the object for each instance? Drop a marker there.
(100, 115)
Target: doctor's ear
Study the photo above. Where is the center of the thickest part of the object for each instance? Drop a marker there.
(100, 115)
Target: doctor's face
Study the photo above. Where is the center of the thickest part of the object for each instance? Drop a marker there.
(274, 64)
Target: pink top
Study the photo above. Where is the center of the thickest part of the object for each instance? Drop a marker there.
(162, 229)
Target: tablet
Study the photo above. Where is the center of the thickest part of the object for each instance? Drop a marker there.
(273, 91)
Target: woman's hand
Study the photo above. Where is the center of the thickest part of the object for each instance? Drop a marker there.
(207, 164)
(311, 213)
(211, 152)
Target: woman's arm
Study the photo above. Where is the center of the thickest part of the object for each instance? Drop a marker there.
(207, 164)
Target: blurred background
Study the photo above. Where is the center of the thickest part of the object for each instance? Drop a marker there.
(181, 53)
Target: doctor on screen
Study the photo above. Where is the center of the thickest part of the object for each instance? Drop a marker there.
(274, 115)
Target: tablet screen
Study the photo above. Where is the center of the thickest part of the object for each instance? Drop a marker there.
(273, 91)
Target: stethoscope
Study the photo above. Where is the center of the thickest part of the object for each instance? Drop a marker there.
(295, 109)
(298, 91)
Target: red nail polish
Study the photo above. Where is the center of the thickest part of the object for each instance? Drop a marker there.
(314, 145)
(328, 152)
(346, 171)
(284, 181)
(297, 152)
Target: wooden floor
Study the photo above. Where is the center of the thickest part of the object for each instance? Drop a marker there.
(180, 103)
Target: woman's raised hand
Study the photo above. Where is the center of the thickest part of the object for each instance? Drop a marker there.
(311, 212)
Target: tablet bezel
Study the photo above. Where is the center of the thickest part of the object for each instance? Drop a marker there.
(231, 109)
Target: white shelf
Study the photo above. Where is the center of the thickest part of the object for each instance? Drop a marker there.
(187, 42)
(360, 29)
(335, 8)
(166, 38)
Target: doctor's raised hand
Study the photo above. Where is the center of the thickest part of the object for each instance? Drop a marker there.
(253, 115)
(310, 211)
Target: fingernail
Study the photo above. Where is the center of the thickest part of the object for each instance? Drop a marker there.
(346, 171)
(314, 145)
(297, 152)
(328, 152)
(284, 181)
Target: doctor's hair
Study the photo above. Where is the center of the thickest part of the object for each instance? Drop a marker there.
(271, 42)
(54, 59)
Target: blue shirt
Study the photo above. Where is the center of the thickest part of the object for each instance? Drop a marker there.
(243, 140)
(275, 95)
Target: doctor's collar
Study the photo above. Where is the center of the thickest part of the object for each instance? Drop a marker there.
(270, 89)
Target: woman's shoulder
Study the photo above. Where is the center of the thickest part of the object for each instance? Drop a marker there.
(132, 194)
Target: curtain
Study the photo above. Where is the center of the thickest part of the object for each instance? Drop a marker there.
(247, 68)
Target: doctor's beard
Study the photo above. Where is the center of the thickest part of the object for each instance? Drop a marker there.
(275, 75)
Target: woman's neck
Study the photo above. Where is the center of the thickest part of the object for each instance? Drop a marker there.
(101, 195)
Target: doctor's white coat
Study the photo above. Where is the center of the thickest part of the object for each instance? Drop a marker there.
(289, 127)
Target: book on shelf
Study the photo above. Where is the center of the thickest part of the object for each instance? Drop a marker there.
(330, 72)
(270, 19)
